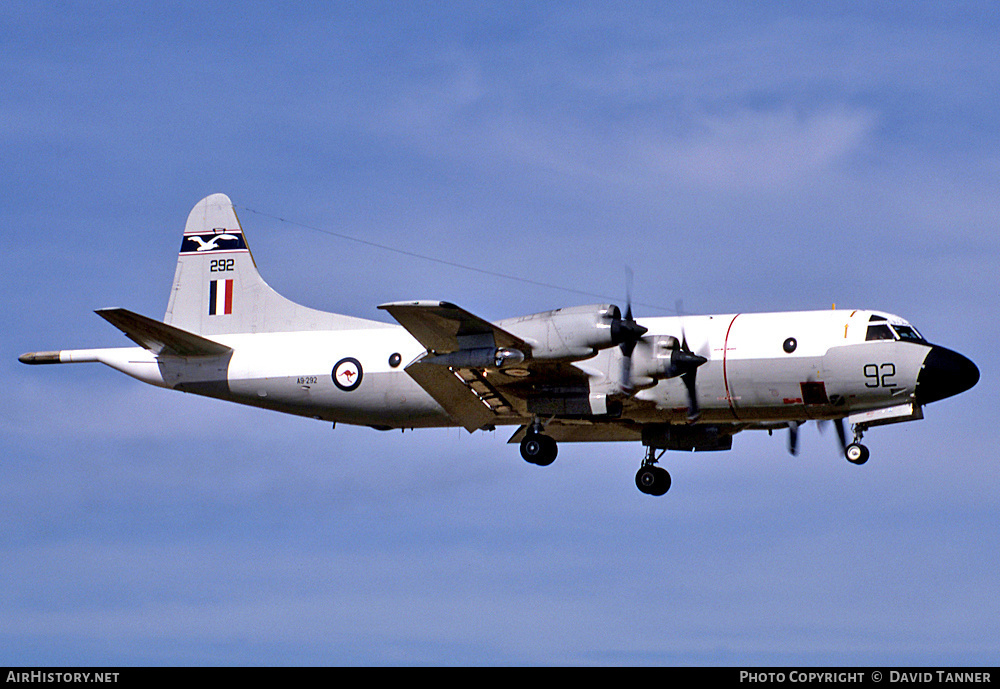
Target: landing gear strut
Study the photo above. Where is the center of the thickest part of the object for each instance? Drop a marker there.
(537, 448)
(651, 479)
(857, 453)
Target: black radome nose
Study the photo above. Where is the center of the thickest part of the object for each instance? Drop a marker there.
(944, 373)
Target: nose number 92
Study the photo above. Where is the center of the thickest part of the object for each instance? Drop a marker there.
(880, 375)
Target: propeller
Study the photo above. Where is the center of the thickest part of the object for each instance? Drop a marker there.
(793, 434)
(626, 333)
(686, 363)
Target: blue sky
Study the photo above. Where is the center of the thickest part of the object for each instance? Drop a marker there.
(736, 159)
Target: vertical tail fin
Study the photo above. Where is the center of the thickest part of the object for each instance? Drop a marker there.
(218, 290)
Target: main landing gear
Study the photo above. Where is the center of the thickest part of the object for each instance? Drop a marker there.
(540, 449)
(537, 448)
(651, 479)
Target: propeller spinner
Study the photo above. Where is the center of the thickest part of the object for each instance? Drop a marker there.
(625, 333)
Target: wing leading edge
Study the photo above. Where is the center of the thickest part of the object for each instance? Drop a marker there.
(443, 328)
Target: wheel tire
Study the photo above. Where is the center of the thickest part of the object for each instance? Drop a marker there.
(662, 481)
(645, 479)
(856, 453)
(652, 480)
(539, 449)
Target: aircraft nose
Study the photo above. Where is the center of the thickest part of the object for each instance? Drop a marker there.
(944, 373)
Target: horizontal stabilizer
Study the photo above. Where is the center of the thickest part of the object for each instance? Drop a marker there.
(161, 338)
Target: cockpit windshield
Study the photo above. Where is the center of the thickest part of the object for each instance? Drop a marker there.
(883, 330)
(908, 333)
(879, 332)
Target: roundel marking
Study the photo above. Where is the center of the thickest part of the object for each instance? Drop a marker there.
(347, 374)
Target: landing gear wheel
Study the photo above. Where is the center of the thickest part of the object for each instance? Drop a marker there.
(856, 453)
(652, 480)
(539, 449)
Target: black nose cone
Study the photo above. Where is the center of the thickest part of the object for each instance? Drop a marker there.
(944, 373)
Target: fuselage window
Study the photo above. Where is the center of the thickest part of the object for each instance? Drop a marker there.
(879, 332)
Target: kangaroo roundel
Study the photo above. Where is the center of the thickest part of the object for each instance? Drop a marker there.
(347, 374)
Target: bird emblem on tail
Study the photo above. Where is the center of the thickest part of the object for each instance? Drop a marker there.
(211, 245)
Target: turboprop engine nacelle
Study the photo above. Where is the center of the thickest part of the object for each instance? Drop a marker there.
(658, 358)
(569, 334)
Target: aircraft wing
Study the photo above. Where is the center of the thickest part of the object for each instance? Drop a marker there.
(474, 392)
(442, 327)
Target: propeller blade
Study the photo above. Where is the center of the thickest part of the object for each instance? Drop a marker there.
(687, 362)
(841, 433)
(626, 333)
(689, 382)
(628, 347)
(793, 438)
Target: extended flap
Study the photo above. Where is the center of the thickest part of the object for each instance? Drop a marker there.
(462, 403)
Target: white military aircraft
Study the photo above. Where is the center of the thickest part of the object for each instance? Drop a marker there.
(575, 374)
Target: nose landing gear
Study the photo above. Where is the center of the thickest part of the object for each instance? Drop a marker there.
(857, 453)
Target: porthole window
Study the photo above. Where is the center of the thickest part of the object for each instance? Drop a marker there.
(395, 360)
(790, 345)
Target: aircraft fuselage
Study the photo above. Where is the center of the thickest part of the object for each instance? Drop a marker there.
(584, 373)
(750, 376)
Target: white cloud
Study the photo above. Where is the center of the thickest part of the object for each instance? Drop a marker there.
(776, 151)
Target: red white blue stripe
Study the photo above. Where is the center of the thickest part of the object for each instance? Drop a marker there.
(220, 297)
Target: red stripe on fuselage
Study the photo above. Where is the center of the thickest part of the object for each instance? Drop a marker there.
(725, 373)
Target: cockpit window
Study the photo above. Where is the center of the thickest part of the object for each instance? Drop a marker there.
(883, 331)
(908, 333)
(876, 318)
(879, 332)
